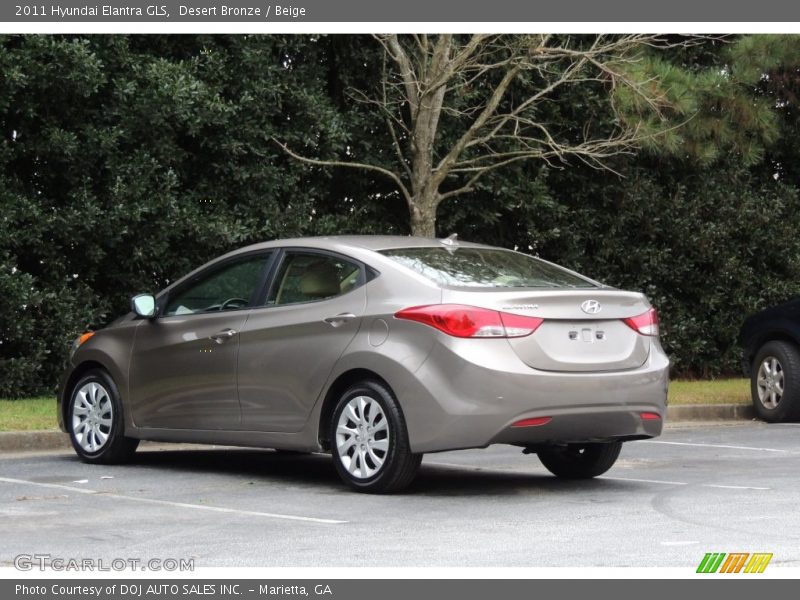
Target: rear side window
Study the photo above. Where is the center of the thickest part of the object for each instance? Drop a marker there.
(484, 268)
(308, 277)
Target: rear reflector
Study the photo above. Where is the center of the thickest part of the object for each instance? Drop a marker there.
(645, 323)
(648, 416)
(535, 422)
(471, 321)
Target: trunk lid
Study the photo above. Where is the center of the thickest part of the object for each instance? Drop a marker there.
(570, 338)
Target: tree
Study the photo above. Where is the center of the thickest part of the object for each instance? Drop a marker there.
(457, 108)
(127, 161)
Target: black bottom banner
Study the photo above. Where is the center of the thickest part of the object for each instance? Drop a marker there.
(385, 589)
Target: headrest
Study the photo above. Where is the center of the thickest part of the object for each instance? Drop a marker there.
(321, 280)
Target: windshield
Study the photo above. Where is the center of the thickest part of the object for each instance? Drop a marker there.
(484, 267)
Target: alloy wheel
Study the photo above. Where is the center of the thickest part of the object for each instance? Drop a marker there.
(770, 381)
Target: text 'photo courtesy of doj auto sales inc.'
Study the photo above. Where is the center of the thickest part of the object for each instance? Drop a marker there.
(74, 591)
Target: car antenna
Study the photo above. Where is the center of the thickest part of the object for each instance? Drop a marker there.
(451, 242)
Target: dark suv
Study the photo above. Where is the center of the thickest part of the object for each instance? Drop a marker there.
(771, 342)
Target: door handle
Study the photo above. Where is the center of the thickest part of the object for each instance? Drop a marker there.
(223, 336)
(340, 319)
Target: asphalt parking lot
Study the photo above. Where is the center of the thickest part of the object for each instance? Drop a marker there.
(697, 489)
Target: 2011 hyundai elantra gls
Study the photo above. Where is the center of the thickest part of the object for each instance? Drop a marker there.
(378, 350)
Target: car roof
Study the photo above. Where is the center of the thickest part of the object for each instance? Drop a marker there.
(367, 242)
(334, 243)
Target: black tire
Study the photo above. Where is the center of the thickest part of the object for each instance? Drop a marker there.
(117, 448)
(788, 359)
(399, 464)
(580, 461)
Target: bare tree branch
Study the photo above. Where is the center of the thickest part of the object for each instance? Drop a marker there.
(395, 50)
(476, 82)
(353, 165)
(469, 134)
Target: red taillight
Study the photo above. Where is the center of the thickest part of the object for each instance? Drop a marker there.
(471, 321)
(649, 416)
(645, 323)
(535, 422)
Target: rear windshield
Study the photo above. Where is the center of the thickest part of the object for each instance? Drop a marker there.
(482, 267)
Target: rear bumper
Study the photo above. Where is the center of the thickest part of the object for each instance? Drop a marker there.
(468, 395)
(585, 425)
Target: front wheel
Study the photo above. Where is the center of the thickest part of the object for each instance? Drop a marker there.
(95, 421)
(369, 440)
(580, 461)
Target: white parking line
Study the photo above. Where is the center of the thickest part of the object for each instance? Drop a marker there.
(645, 480)
(680, 543)
(710, 485)
(221, 509)
(735, 487)
(719, 446)
(634, 479)
(54, 486)
(470, 467)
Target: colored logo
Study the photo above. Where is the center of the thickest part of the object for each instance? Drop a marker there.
(735, 562)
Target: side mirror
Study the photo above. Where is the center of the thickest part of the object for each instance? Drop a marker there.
(144, 305)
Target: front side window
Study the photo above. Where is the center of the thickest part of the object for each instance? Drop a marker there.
(231, 286)
(484, 268)
(307, 277)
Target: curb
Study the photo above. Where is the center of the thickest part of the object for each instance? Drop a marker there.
(710, 412)
(29, 441)
(32, 441)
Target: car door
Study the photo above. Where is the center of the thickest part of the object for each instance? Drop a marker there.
(183, 364)
(289, 347)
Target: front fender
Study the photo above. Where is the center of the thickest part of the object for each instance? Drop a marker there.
(108, 349)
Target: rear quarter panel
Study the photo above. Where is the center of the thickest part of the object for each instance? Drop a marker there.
(393, 349)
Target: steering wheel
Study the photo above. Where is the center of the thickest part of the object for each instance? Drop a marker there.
(232, 303)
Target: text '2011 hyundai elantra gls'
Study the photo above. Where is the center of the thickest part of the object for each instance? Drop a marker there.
(377, 349)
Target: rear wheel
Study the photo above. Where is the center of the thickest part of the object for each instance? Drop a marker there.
(369, 440)
(775, 382)
(95, 420)
(580, 461)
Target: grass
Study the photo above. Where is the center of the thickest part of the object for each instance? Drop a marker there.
(29, 414)
(718, 391)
